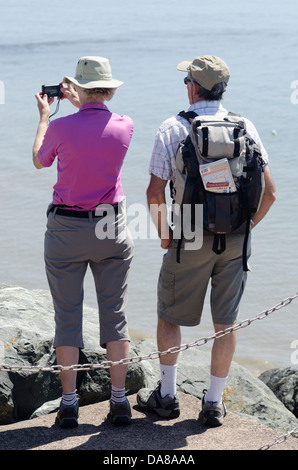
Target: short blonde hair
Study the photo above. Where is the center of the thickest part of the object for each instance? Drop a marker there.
(106, 93)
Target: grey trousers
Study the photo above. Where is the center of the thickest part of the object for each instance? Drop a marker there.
(71, 245)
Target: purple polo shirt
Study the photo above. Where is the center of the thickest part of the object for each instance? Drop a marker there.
(90, 146)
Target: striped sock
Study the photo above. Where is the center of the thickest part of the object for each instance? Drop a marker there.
(69, 399)
(118, 394)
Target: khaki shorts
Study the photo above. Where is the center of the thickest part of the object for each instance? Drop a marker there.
(182, 286)
(71, 246)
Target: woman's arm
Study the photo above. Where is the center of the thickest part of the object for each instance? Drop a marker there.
(43, 104)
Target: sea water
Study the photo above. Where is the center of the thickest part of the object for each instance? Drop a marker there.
(40, 43)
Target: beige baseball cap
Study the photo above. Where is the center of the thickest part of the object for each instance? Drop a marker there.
(207, 70)
(93, 72)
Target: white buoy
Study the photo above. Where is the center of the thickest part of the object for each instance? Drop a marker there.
(274, 132)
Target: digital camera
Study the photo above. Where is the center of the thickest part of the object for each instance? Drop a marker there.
(52, 90)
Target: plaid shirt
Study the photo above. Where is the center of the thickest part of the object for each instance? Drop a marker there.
(175, 129)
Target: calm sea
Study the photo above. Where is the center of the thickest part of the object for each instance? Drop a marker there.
(40, 42)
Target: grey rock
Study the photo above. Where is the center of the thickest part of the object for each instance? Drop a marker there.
(6, 401)
(46, 408)
(284, 384)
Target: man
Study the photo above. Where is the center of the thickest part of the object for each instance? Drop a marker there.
(90, 147)
(182, 286)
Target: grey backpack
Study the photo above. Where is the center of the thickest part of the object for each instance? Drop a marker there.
(219, 166)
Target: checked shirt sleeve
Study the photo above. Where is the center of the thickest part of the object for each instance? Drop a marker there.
(167, 140)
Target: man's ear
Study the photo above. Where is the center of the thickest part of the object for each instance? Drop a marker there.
(196, 90)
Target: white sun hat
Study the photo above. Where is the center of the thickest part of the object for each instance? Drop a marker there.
(93, 72)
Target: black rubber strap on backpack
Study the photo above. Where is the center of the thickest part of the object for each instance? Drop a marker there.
(245, 242)
(236, 142)
(219, 243)
(188, 115)
(179, 248)
(205, 133)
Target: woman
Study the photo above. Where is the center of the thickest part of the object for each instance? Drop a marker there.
(90, 147)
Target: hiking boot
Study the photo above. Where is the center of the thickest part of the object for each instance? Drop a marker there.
(67, 416)
(167, 407)
(120, 413)
(212, 413)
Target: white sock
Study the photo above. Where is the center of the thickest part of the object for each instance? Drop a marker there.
(215, 390)
(118, 394)
(168, 380)
(69, 399)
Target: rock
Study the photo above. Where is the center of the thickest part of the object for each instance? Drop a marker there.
(26, 336)
(284, 384)
(6, 402)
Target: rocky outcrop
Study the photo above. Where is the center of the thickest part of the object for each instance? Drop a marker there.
(26, 335)
(284, 384)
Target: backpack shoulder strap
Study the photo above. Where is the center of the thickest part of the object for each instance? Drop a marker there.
(189, 115)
